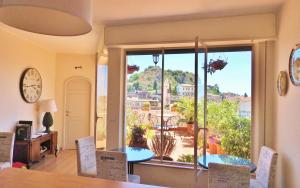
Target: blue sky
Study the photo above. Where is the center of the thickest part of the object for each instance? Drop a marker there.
(235, 77)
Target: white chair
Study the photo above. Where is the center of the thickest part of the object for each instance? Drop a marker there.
(266, 169)
(228, 176)
(7, 141)
(113, 165)
(86, 157)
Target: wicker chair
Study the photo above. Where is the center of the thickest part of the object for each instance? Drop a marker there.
(228, 176)
(266, 169)
(86, 157)
(113, 165)
(7, 141)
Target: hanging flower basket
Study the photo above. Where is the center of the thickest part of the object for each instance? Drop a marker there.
(132, 68)
(214, 65)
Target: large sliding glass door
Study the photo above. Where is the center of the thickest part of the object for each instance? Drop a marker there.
(160, 102)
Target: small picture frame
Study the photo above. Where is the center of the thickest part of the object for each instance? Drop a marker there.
(282, 83)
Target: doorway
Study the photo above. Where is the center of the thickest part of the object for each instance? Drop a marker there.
(77, 110)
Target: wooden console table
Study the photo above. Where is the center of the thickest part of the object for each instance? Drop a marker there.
(29, 151)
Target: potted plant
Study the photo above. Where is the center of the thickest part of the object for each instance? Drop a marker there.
(174, 107)
(146, 106)
(168, 146)
(137, 137)
(186, 108)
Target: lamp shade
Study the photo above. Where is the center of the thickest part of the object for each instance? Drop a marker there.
(50, 17)
(48, 105)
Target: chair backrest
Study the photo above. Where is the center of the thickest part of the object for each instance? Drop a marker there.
(112, 165)
(7, 141)
(266, 166)
(86, 155)
(228, 176)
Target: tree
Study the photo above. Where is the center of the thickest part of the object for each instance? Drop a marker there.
(136, 85)
(155, 86)
(174, 90)
(234, 131)
(185, 107)
(214, 89)
(134, 77)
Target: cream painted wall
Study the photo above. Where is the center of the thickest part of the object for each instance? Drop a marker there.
(65, 69)
(286, 109)
(16, 54)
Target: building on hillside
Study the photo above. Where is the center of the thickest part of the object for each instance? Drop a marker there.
(186, 90)
(245, 107)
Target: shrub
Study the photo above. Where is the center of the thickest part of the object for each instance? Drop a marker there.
(187, 158)
(168, 144)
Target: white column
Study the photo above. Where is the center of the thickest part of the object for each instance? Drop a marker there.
(115, 96)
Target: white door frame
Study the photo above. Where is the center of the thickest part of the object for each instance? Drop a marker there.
(65, 102)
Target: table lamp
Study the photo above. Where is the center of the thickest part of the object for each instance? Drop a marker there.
(47, 106)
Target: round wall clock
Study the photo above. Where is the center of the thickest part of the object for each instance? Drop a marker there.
(282, 83)
(294, 66)
(31, 85)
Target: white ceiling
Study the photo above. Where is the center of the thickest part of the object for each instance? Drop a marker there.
(118, 12)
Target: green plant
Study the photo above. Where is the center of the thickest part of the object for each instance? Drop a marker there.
(236, 140)
(137, 137)
(168, 145)
(223, 120)
(185, 107)
(132, 120)
(146, 106)
(187, 158)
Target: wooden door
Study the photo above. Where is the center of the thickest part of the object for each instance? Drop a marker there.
(77, 111)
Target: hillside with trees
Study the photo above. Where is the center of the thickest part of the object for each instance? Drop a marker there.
(150, 79)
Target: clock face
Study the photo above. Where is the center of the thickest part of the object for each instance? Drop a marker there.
(31, 85)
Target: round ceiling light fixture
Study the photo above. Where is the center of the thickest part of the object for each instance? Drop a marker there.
(49, 17)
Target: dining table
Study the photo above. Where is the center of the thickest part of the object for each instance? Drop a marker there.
(203, 161)
(135, 155)
(20, 178)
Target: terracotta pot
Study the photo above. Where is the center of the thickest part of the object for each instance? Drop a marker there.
(220, 149)
(190, 128)
(213, 148)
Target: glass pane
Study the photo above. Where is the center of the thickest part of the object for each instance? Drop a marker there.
(229, 103)
(178, 116)
(101, 106)
(143, 104)
(201, 104)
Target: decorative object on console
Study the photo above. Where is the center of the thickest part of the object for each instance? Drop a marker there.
(58, 18)
(31, 85)
(282, 83)
(47, 106)
(294, 66)
(23, 130)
